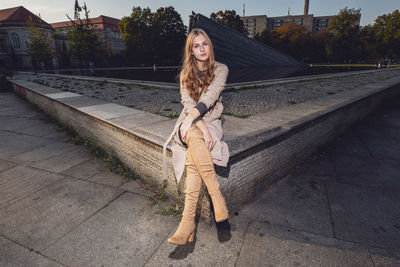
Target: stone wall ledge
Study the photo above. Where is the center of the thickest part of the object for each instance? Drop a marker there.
(263, 147)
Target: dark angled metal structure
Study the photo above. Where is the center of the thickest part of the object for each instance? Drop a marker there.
(237, 50)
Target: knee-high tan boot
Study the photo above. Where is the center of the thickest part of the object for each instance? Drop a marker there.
(185, 231)
(203, 162)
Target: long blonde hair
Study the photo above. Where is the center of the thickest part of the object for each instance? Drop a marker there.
(189, 73)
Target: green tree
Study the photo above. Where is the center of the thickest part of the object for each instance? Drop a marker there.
(344, 43)
(138, 35)
(369, 44)
(296, 39)
(40, 45)
(320, 40)
(85, 44)
(387, 32)
(171, 35)
(293, 40)
(270, 38)
(153, 37)
(230, 19)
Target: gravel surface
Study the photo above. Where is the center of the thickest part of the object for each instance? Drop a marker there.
(240, 103)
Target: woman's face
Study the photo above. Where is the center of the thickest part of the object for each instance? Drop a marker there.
(201, 48)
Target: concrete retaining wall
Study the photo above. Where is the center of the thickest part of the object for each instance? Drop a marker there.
(263, 147)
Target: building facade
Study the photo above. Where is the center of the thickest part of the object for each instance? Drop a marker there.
(106, 28)
(14, 40)
(256, 24)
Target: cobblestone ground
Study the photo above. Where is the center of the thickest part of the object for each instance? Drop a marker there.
(241, 102)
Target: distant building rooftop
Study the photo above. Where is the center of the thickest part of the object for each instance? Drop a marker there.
(17, 14)
(99, 22)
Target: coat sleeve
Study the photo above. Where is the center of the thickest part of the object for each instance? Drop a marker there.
(187, 102)
(214, 90)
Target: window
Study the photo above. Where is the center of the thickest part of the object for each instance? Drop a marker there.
(3, 45)
(15, 40)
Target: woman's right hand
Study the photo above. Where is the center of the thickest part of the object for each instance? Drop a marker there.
(188, 121)
(185, 126)
(206, 134)
(208, 139)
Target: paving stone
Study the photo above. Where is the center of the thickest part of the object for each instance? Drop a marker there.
(109, 111)
(365, 215)
(18, 124)
(12, 254)
(356, 170)
(4, 165)
(349, 145)
(12, 144)
(86, 169)
(137, 120)
(62, 95)
(385, 258)
(157, 132)
(366, 129)
(135, 187)
(42, 153)
(81, 101)
(383, 148)
(107, 178)
(132, 228)
(44, 130)
(264, 246)
(390, 133)
(21, 181)
(389, 173)
(319, 165)
(299, 202)
(19, 111)
(43, 218)
(65, 160)
(207, 250)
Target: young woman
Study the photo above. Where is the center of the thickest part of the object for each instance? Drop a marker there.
(198, 132)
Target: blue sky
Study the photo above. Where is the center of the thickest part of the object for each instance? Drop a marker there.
(54, 10)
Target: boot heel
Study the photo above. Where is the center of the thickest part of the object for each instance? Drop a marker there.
(191, 237)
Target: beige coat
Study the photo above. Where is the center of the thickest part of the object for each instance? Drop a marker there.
(212, 99)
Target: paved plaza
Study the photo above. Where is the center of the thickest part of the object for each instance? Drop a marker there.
(241, 102)
(60, 206)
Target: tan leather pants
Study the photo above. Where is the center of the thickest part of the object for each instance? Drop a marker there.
(200, 166)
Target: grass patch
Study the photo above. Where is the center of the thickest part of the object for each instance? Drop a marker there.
(172, 115)
(246, 87)
(145, 87)
(241, 116)
(174, 209)
(157, 196)
(101, 83)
